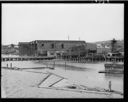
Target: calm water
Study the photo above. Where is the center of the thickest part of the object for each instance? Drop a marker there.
(79, 73)
(86, 74)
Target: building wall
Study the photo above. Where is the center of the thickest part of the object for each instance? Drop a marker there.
(27, 49)
(56, 46)
(8, 49)
(47, 47)
(77, 50)
(103, 50)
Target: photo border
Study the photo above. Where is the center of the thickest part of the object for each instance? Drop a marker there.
(125, 99)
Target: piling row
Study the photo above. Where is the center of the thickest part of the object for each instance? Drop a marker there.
(93, 60)
(77, 60)
(26, 58)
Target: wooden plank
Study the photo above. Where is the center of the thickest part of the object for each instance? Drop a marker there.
(56, 75)
(78, 90)
(44, 79)
(51, 80)
(56, 82)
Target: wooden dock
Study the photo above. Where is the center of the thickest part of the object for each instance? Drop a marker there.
(111, 72)
(93, 60)
(77, 60)
(25, 58)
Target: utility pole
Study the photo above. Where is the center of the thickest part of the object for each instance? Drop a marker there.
(110, 86)
(68, 37)
(79, 38)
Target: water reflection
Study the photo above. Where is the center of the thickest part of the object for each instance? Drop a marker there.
(115, 76)
(71, 67)
(65, 66)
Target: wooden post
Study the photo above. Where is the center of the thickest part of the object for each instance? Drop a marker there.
(104, 57)
(92, 57)
(11, 65)
(65, 65)
(54, 65)
(47, 65)
(110, 86)
(56, 82)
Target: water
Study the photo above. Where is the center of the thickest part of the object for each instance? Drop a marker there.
(9, 55)
(82, 73)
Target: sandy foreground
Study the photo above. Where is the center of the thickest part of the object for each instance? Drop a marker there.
(22, 84)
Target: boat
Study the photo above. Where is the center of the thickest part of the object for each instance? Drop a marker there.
(113, 68)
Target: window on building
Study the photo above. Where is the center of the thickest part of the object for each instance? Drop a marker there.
(35, 46)
(42, 45)
(52, 53)
(52, 45)
(62, 46)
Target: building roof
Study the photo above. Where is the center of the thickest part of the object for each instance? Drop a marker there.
(23, 42)
(60, 41)
(91, 46)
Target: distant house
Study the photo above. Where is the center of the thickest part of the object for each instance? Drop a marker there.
(10, 49)
(47, 47)
(27, 49)
(103, 49)
(4, 49)
(99, 46)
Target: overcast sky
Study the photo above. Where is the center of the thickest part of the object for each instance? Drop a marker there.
(89, 22)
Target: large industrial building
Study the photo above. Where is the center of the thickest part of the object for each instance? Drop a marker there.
(48, 47)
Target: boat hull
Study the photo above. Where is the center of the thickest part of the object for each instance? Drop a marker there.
(113, 68)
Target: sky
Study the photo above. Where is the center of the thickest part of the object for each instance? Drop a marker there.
(88, 22)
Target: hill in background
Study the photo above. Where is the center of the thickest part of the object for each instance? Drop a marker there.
(120, 44)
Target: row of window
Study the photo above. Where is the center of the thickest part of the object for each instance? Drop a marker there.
(53, 46)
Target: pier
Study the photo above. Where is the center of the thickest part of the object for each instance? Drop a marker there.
(93, 59)
(25, 58)
(77, 60)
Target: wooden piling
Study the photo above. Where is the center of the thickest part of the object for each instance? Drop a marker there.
(110, 86)
(11, 65)
(65, 65)
(56, 82)
(54, 65)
